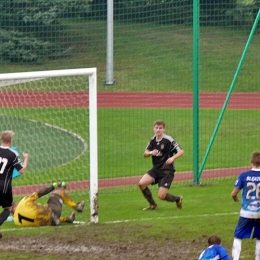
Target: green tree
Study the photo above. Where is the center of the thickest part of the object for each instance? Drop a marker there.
(31, 29)
(166, 11)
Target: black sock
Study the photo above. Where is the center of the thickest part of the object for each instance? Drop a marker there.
(171, 198)
(4, 215)
(148, 195)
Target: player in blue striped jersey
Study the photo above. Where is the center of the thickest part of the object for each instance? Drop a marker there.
(215, 250)
(249, 221)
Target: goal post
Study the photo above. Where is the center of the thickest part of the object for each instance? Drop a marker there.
(92, 121)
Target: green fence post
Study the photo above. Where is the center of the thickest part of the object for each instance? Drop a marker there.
(196, 92)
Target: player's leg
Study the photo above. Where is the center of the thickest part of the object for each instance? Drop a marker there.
(71, 203)
(146, 180)
(243, 230)
(6, 201)
(256, 234)
(61, 186)
(236, 248)
(163, 193)
(69, 219)
(257, 249)
(55, 203)
(4, 215)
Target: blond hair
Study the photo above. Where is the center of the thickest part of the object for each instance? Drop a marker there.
(7, 136)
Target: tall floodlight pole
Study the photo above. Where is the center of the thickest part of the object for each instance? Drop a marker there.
(110, 43)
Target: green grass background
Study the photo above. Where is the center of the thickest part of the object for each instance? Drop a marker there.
(123, 134)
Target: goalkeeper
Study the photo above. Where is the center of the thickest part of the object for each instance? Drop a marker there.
(30, 213)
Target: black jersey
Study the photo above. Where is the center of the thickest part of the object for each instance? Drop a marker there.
(167, 147)
(9, 160)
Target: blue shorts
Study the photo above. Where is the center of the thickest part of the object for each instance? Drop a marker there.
(246, 226)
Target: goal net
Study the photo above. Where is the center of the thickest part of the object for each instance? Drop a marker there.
(54, 117)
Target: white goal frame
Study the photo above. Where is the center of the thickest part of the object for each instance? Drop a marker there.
(92, 73)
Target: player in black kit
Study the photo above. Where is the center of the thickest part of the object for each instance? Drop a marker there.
(164, 151)
(9, 159)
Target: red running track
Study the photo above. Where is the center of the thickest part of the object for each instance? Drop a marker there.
(129, 99)
(116, 182)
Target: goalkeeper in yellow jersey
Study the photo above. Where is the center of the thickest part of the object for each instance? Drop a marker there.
(30, 213)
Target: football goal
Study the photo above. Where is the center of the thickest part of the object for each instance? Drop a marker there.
(54, 116)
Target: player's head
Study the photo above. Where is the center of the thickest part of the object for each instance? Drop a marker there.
(7, 136)
(214, 240)
(159, 123)
(159, 127)
(255, 158)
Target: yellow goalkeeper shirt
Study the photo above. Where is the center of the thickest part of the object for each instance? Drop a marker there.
(30, 213)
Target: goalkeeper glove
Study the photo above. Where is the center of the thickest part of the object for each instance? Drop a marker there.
(59, 184)
(55, 185)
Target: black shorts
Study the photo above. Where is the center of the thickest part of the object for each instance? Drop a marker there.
(6, 199)
(164, 177)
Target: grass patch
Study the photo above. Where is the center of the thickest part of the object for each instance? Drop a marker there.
(124, 221)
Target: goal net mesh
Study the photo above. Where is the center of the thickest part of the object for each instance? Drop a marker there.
(50, 118)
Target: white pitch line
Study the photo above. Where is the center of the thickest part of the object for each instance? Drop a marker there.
(173, 217)
(78, 223)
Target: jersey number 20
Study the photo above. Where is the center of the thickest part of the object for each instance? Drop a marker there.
(253, 188)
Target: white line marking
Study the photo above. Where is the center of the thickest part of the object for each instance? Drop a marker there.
(173, 217)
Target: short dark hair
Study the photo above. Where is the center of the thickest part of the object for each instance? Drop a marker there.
(255, 158)
(214, 240)
(159, 122)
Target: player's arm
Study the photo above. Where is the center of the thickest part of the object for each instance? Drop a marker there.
(175, 156)
(234, 194)
(226, 257)
(177, 152)
(223, 253)
(38, 194)
(25, 163)
(46, 190)
(148, 152)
